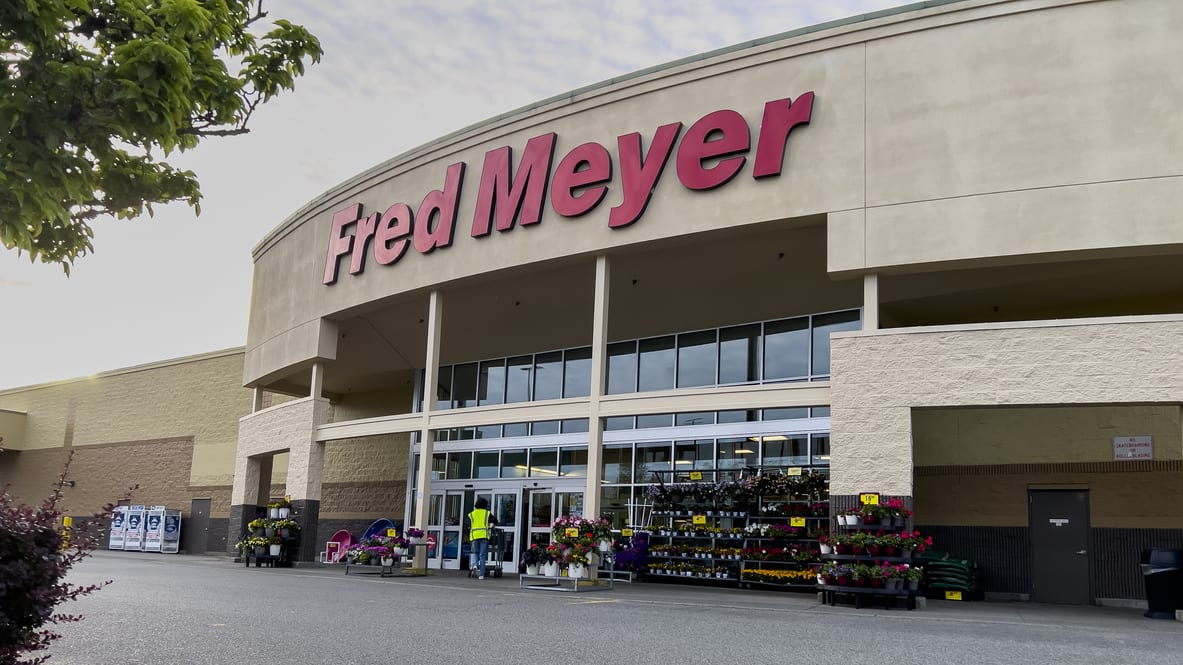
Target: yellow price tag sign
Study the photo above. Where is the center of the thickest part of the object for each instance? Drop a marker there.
(696, 475)
(287, 497)
(572, 532)
(699, 519)
(392, 533)
(793, 471)
(952, 595)
(796, 521)
(869, 499)
(67, 521)
(626, 533)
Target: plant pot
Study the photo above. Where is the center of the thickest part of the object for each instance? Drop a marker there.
(284, 512)
(532, 569)
(842, 580)
(273, 513)
(551, 569)
(400, 551)
(269, 533)
(576, 570)
(906, 552)
(862, 581)
(275, 550)
(913, 585)
(260, 551)
(826, 549)
(417, 541)
(259, 533)
(876, 583)
(892, 583)
(605, 545)
(388, 562)
(873, 550)
(285, 533)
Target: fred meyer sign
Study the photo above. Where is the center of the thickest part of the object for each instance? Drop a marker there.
(711, 152)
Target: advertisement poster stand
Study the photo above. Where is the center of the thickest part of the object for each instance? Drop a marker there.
(134, 535)
(118, 528)
(153, 529)
(171, 541)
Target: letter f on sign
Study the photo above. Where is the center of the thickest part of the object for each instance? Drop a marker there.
(339, 243)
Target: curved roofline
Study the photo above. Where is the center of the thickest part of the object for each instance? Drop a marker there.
(571, 94)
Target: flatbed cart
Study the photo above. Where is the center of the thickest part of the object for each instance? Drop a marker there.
(494, 564)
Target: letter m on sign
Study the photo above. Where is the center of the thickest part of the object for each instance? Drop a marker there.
(502, 201)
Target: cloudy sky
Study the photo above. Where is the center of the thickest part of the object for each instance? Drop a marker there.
(395, 74)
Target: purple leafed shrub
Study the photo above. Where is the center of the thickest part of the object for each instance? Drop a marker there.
(36, 552)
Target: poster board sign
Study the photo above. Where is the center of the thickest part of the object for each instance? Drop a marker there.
(1132, 448)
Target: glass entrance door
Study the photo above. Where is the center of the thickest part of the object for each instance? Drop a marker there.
(546, 504)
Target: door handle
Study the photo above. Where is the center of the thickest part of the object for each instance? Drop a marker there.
(1082, 552)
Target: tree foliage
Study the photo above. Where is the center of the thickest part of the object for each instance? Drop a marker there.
(94, 92)
(35, 555)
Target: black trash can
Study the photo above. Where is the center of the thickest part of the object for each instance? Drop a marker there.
(1162, 570)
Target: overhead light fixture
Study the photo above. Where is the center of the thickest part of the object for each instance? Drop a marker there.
(771, 437)
(683, 461)
(744, 451)
(537, 470)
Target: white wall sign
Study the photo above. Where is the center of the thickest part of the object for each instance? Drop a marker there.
(1133, 447)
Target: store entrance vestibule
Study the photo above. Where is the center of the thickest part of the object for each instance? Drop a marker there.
(523, 514)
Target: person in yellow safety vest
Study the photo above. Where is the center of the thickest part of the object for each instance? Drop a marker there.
(480, 527)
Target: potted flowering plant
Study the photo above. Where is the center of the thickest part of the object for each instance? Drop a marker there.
(279, 509)
(286, 527)
(913, 576)
(531, 559)
(414, 535)
(914, 541)
(261, 526)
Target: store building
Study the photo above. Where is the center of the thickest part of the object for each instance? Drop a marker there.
(935, 250)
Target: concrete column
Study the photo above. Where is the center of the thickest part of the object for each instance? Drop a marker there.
(435, 313)
(318, 379)
(599, 366)
(251, 489)
(871, 302)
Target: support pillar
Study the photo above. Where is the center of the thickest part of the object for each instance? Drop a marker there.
(599, 364)
(435, 312)
(871, 302)
(251, 489)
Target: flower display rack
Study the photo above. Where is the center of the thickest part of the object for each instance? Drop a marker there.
(872, 556)
(760, 530)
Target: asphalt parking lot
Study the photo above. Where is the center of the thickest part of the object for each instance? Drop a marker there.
(203, 610)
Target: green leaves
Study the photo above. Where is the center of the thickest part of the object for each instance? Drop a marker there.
(88, 88)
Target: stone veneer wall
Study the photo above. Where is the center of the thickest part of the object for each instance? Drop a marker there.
(878, 377)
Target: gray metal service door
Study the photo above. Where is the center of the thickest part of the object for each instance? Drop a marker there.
(1059, 525)
(197, 537)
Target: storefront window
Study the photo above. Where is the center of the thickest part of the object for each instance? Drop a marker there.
(443, 392)
(487, 464)
(696, 359)
(544, 427)
(573, 463)
(781, 450)
(464, 380)
(518, 374)
(786, 414)
(617, 464)
(694, 455)
(614, 505)
(823, 325)
(491, 382)
(439, 466)
(548, 375)
(517, 429)
(459, 466)
(651, 457)
(739, 354)
(577, 372)
(618, 423)
(696, 418)
(786, 349)
(820, 448)
(656, 420)
(622, 368)
(513, 463)
(574, 426)
(739, 416)
(488, 432)
(656, 364)
(737, 453)
(544, 462)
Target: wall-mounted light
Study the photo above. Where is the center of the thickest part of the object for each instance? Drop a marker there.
(68, 483)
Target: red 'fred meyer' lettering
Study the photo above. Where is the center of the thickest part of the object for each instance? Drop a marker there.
(711, 153)
(520, 198)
